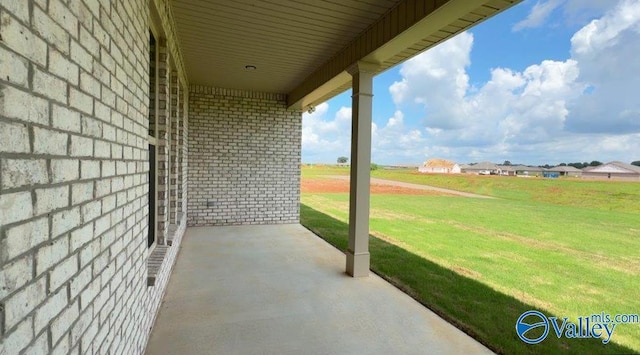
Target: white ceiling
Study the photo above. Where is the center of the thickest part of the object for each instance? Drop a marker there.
(285, 40)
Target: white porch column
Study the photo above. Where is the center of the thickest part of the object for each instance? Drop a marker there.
(358, 251)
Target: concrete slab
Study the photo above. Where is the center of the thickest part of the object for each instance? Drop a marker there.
(282, 290)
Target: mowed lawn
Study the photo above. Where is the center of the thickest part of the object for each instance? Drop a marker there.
(568, 248)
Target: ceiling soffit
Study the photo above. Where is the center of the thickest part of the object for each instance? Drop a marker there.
(303, 47)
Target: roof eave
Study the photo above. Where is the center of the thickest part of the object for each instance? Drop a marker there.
(406, 30)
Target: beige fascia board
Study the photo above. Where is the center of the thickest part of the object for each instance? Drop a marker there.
(402, 27)
(335, 86)
(321, 93)
(431, 23)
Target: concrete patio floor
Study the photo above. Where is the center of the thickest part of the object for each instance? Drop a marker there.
(282, 290)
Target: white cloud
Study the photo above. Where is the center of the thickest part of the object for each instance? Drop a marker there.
(568, 148)
(437, 79)
(607, 54)
(539, 111)
(528, 105)
(540, 12)
(396, 142)
(585, 107)
(605, 32)
(573, 12)
(551, 107)
(323, 139)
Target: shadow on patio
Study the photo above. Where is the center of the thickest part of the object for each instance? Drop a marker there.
(480, 311)
(282, 290)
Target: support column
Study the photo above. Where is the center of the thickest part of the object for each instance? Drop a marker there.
(358, 251)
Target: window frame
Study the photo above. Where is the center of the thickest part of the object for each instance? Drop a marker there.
(152, 140)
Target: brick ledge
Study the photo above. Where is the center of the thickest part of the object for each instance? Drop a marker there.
(154, 263)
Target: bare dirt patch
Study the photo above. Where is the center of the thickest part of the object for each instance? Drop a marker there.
(342, 186)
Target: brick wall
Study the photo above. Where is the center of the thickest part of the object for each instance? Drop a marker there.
(74, 82)
(244, 158)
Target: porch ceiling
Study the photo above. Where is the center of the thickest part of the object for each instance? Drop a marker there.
(302, 47)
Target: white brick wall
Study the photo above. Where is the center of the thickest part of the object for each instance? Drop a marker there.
(21, 172)
(15, 275)
(46, 141)
(15, 207)
(14, 137)
(23, 237)
(244, 158)
(24, 107)
(74, 91)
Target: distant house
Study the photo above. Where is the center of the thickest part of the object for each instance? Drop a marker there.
(507, 170)
(483, 168)
(568, 171)
(441, 166)
(524, 170)
(612, 170)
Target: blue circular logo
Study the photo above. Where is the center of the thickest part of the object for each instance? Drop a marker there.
(536, 320)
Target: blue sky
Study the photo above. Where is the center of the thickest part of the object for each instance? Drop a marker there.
(546, 81)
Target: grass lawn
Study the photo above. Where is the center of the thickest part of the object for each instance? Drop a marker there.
(480, 263)
(621, 196)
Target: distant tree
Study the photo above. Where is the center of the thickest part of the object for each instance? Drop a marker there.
(563, 164)
(506, 163)
(636, 163)
(577, 165)
(595, 163)
(374, 166)
(342, 160)
(585, 164)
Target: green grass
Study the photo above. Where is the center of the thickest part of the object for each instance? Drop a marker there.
(315, 171)
(480, 263)
(608, 195)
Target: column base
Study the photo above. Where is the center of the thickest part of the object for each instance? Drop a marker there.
(357, 264)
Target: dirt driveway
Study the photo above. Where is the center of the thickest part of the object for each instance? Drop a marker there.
(333, 185)
(382, 186)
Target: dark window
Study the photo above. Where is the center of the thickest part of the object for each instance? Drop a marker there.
(151, 237)
(152, 194)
